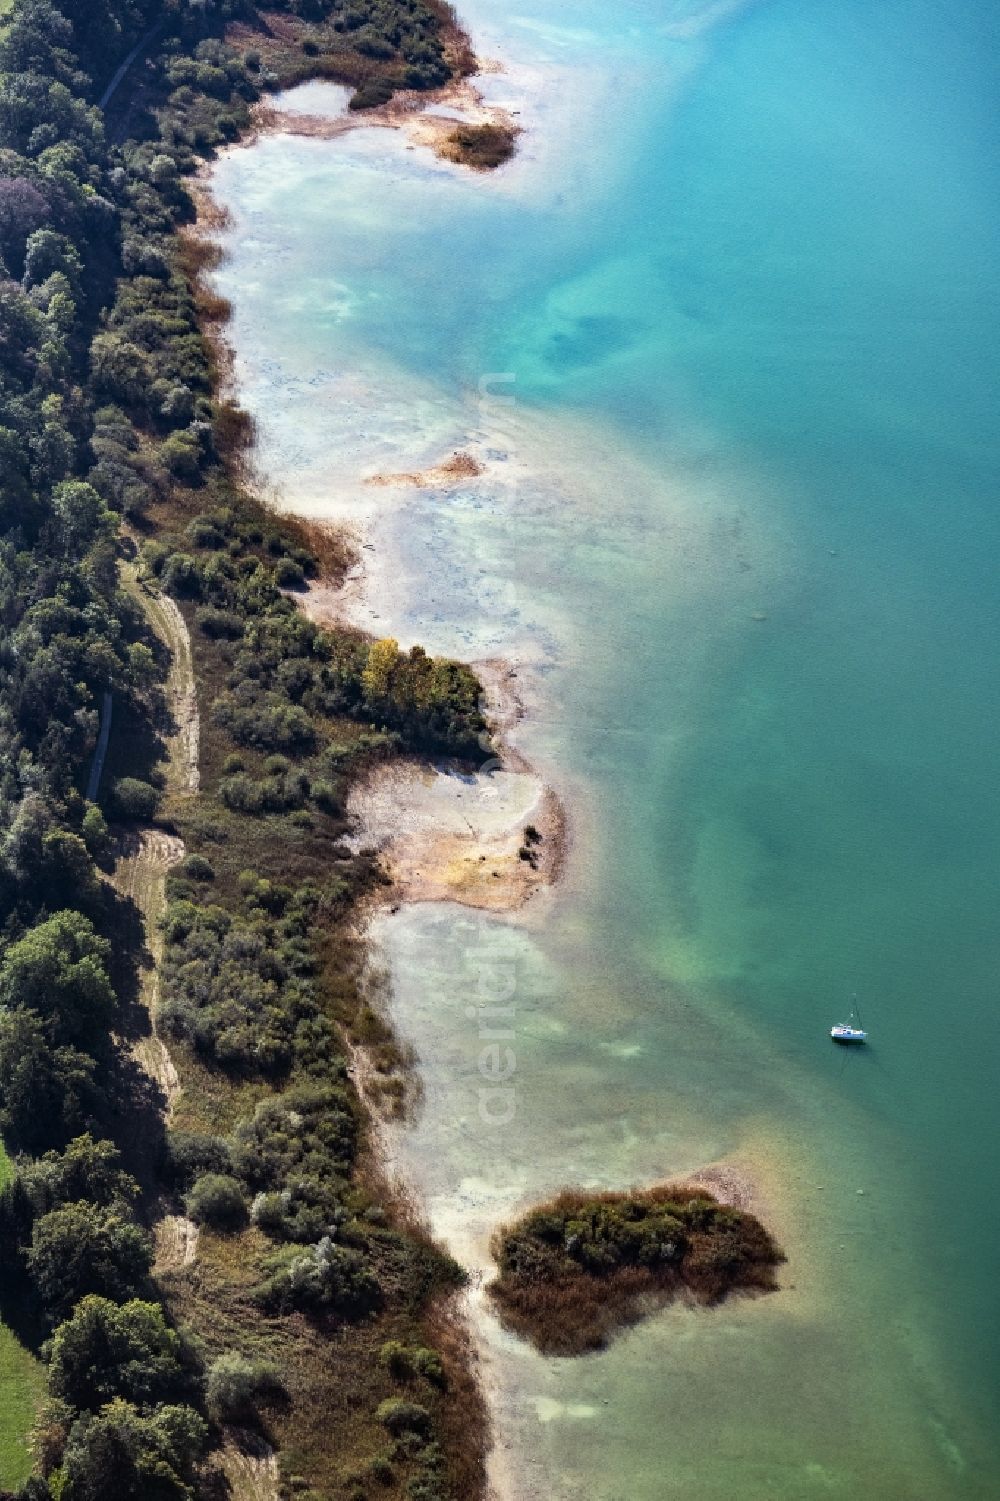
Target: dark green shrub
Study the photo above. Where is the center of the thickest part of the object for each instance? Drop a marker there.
(236, 1385)
(401, 1417)
(95, 831)
(289, 575)
(154, 555)
(303, 1212)
(307, 1133)
(181, 454)
(134, 799)
(203, 532)
(224, 624)
(324, 795)
(395, 1356)
(370, 44)
(372, 94)
(273, 794)
(428, 1364)
(425, 75)
(325, 1278)
(217, 1200)
(180, 575)
(269, 725)
(190, 1154)
(242, 794)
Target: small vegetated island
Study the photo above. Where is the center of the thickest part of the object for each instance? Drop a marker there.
(577, 1270)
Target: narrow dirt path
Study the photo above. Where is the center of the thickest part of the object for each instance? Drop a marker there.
(140, 874)
(166, 620)
(251, 1467)
(144, 860)
(122, 70)
(176, 1243)
(100, 750)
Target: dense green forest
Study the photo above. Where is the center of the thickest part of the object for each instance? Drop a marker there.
(307, 1321)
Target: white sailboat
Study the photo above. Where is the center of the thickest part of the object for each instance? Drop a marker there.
(850, 1031)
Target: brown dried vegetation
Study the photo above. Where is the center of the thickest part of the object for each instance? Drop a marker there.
(484, 147)
(577, 1270)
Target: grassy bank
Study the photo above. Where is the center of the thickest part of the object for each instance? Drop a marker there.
(575, 1271)
(21, 1386)
(22, 1383)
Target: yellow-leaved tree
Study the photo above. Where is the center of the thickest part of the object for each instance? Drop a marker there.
(382, 658)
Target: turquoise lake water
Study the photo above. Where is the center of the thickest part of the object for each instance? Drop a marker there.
(739, 533)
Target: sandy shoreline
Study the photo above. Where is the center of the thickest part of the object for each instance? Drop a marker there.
(418, 114)
(452, 837)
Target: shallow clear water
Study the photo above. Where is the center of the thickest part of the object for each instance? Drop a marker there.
(738, 532)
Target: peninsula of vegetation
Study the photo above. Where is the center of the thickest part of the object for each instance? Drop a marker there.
(577, 1270)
